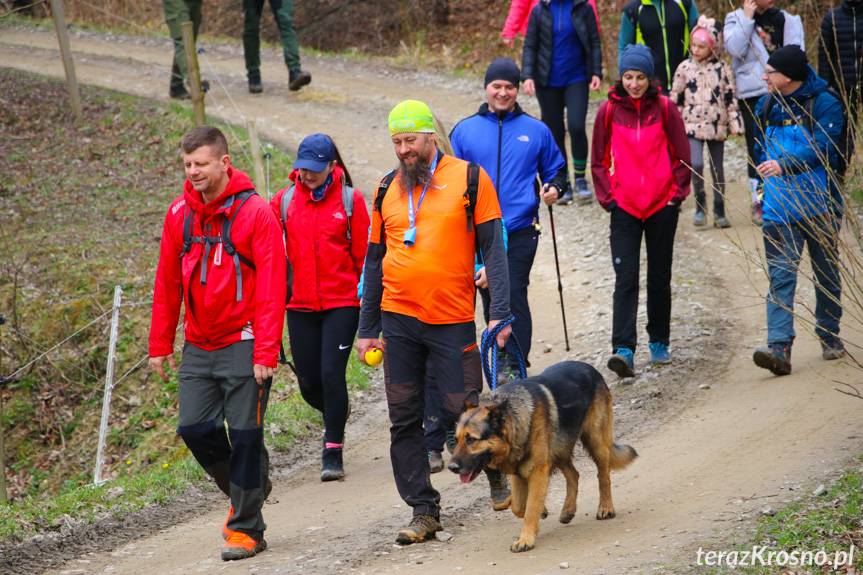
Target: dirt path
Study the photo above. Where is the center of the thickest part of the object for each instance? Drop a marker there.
(709, 458)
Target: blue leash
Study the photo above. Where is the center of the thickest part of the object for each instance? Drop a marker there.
(489, 365)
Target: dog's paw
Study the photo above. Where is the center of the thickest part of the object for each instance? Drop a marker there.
(544, 513)
(521, 545)
(566, 517)
(518, 512)
(605, 513)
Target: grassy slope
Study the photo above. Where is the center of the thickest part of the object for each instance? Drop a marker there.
(81, 210)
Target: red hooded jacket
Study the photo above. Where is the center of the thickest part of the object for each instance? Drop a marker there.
(326, 266)
(214, 318)
(643, 161)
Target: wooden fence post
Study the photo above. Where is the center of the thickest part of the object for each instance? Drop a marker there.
(4, 498)
(66, 53)
(257, 159)
(194, 74)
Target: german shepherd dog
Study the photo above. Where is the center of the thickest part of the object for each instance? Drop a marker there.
(528, 428)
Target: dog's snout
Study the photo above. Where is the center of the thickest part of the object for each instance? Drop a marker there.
(454, 467)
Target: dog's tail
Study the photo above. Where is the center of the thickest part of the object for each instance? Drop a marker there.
(621, 456)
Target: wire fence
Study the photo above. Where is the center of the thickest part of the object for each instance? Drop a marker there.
(110, 361)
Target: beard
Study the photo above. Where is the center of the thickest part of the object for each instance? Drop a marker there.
(416, 173)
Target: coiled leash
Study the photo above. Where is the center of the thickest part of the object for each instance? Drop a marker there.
(489, 364)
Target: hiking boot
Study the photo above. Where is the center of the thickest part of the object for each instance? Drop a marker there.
(721, 222)
(422, 528)
(450, 438)
(255, 86)
(757, 214)
(498, 484)
(179, 93)
(776, 357)
(834, 350)
(659, 354)
(700, 218)
(582, 191)
(241, 546)
(205, 85)
(565, 199)
(297, 79)
(435, 461)
(331, 464)
(621, 362)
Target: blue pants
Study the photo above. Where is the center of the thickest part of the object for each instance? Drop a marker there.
(783, 246)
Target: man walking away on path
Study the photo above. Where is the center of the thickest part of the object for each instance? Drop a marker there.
(419, 294)
(222, 254)
(752, 33)
(800, 123)
(177, 12)
(283, 11)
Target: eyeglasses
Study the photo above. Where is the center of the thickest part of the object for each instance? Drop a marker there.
(772, 71)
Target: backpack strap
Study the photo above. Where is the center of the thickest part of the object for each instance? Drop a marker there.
(286, 201)
(470, 194)
(379, 197)
(609, 114)
(229, 248)
(188, 240)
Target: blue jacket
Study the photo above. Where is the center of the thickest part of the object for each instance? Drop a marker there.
(512, 150)
(803, 190)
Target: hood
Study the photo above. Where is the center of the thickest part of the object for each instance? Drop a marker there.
(338, 174)
(516, 111)
(238, 181)
(812, 86)
(713, 29)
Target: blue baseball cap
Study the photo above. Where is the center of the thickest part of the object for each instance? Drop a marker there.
(315, 153)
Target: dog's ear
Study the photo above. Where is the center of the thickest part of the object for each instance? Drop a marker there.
(471, 400)
(496, 412)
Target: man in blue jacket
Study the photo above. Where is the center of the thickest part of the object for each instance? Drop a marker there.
(800, 125)
(513, 148)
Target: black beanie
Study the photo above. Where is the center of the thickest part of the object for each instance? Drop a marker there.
(502, 69)
(790, 61)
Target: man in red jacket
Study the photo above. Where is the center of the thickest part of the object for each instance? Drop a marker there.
(222, 254)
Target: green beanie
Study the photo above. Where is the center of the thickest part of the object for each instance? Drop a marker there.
(411, 116)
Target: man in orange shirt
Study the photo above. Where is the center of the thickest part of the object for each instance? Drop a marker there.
(419, 293)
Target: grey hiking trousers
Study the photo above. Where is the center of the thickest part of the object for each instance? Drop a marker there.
(217, 387)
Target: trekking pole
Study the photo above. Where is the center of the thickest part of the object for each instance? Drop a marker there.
(3, 382)
(559, 284)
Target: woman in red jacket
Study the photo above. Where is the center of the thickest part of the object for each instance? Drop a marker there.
(642, 135)
(326, 245)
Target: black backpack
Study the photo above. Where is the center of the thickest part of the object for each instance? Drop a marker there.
(224, 238)
(468, 199)
(844, 145)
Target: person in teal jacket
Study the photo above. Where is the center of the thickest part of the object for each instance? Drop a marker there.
(664, 27)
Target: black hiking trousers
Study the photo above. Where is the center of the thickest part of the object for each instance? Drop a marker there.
(408, 344)
(626, 232)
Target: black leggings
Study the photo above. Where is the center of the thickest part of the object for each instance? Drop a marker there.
(574, 98)
(321, 343)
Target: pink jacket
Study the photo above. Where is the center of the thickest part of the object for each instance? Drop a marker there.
(519, 14)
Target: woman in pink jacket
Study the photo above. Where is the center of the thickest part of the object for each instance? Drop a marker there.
(641, 135)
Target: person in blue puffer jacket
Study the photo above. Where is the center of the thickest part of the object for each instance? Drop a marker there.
(513, 147)
(794, 156)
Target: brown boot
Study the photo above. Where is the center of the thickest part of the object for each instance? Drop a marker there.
(422, 528)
